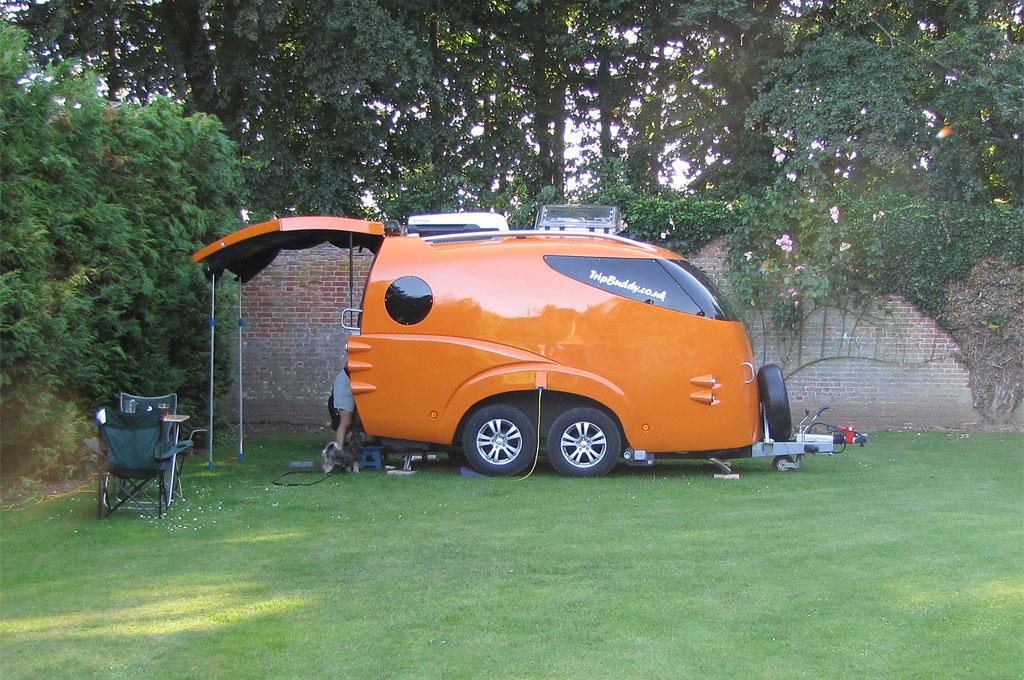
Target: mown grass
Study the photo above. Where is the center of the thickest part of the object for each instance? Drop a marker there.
(899, 560)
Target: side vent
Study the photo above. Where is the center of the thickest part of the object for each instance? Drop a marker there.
(707, 396)
(357, 347)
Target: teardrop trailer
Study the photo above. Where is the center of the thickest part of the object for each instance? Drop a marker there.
(584, 347)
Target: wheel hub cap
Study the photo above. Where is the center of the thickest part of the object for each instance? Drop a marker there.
(499, 442)
(584, 444)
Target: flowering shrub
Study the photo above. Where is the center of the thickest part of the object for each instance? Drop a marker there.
(791, 252)
(794, 248)
(788, 258)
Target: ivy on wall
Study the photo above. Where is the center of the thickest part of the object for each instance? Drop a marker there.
(789, 252)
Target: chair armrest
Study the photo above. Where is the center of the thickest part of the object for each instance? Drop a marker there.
(175, 450)
(193, 433)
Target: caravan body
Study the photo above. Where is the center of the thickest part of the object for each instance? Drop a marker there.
(585, 347)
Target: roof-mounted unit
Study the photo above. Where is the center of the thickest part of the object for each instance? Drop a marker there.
(594, 218)
(456, 223)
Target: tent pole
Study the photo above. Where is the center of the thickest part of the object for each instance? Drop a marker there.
(241, 433)
(213, 322)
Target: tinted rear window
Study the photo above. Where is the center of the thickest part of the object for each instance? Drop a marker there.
(661, 283)
(700, 288)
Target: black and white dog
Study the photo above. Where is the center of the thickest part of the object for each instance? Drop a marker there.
(346, 457)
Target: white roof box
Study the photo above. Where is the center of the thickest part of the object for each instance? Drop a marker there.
(595, 218)
(454, 223)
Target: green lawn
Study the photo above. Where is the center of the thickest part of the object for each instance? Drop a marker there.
(904, 559)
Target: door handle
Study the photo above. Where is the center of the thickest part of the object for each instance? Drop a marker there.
(352, 319)
(753, 373)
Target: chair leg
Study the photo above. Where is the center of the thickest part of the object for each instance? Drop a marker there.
(168, 484)
(177, 477)
(100, 494)
(111, 494)
(117, 491)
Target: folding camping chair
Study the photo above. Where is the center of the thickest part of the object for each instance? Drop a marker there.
(133, 403)
(138, 451)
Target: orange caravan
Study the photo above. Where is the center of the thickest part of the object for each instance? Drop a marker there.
(570, 343)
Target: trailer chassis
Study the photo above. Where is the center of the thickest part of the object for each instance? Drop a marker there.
(785, 455)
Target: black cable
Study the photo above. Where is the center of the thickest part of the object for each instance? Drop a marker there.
(277, 481)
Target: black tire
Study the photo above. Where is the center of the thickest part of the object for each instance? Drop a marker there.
(771, 388)
(584, 442)
(777, 463)
(499, 440)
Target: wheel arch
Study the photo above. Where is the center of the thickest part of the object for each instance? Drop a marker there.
(553, 403)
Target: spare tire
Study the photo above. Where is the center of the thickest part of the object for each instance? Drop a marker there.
(771, 387)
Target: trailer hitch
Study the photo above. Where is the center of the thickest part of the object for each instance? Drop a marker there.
(833, 440)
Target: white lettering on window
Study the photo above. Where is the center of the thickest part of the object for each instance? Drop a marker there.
(628, 285)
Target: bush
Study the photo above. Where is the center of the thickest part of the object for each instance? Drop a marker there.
(102, 207)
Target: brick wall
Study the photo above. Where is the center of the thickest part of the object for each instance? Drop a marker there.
(293, 341)
(888, 367)
(885, 367)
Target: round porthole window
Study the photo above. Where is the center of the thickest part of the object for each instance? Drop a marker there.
(408, 300)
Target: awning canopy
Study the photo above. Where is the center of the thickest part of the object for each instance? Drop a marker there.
(248, 251)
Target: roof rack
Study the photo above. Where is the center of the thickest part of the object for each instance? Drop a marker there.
(579, 217)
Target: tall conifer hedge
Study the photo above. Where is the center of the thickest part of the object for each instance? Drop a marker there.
(100, 209)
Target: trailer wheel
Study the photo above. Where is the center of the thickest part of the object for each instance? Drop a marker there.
(771, 387)
(782, 463)
(584, 442)
(499, 440)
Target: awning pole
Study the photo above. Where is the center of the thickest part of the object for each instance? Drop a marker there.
(241, 434)
(213, 323)
(351, 292)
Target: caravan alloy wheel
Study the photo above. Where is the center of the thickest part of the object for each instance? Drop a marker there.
(584, 442)
(499, 440)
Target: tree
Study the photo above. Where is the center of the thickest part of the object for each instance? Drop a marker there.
(817, 120)
(926, 94)
(336, 101)
(319, 94)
